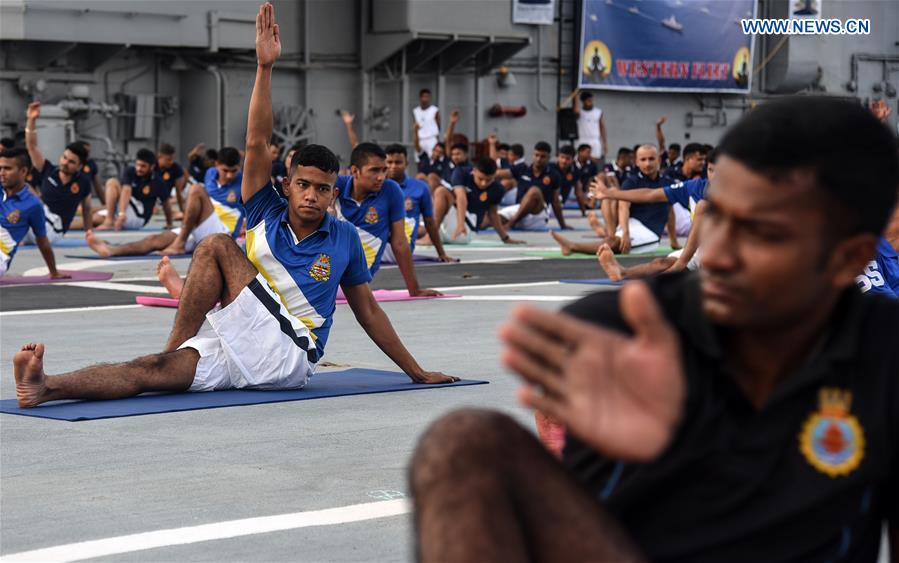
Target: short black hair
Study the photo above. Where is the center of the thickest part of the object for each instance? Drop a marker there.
(712, 155)
(820, 135)
(78, 150)
(423, 91)
(638, 145)
(567, 149)
(228, 156)
(461, 146)
(166, 149)
(441, 145)
(8, 142)
(517, 149)
(212, 154)
(693, 148)
(675, 146)
(586, 95)
(364, 151)
(543, 146)
(318, 156)
(19, 154)
(486, 166)
(396, 148)
(583, 146)
(502, 147)
(624, 151)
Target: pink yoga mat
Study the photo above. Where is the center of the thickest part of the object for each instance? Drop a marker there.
(77, 276)
(381, 295)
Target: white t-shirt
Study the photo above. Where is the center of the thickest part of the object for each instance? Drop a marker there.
(427, 121)
(588, 124)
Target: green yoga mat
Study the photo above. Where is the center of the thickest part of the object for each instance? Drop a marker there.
(660, 251)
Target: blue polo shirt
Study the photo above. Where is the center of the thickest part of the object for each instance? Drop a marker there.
(479, 201)
(688, 193)
(586, 170)
(170, 176)
(372, 216)
(654, 216)
(226, 200)
(145, 191)
(304, 275)
(61, 198)
(881, 275)
(567, 179)
(19, 213)
(548, 181)
(418, 203)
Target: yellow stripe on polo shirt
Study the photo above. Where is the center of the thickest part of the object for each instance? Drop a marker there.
(280, 281)
(227, 215)
(7, 243)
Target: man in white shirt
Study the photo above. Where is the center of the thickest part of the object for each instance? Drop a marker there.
(591, 128)
(427, 117)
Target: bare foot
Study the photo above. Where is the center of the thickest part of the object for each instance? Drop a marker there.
(97, 245)
(31, 382)
(609, 263)
(169, 277)
(564, 243)
(105, 226)
(173, 249)
(596, 225)
(424, 241)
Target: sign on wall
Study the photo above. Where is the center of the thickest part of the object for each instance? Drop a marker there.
(666, 45)
(538, 12)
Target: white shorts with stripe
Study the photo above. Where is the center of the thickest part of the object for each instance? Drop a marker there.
(133, 221)
(448, 227)
(54, 228)
(641, 235)
(693, 264)
(251, 344)
(212, 225)
(530, 222)
(388, 257)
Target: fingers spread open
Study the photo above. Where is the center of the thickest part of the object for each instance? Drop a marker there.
(643, 314)
(547, 405)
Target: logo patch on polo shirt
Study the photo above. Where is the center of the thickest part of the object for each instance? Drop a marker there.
(483, 196)
(321, 269)
(74, 188)
(371, 216)
(146, 189)
(86, 169)
(408, 204)
(546, 180)
(569, 176)
(231, 197)
(166, 176)
(832, 440)
(14, 216)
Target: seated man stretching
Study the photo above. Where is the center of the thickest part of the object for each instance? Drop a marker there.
(131, 199)
(212, 208)
(277, 306)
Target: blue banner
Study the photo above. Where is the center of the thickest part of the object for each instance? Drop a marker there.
(666, 45)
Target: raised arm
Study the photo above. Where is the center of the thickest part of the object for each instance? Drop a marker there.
(660, 135)
(258, 163)
(451, 129)
(347, 119)
(196, 151)
(34, 152)
(491, 146)
(639, 195)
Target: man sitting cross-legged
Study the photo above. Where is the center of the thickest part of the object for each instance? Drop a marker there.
(212, 208)
(277, 306)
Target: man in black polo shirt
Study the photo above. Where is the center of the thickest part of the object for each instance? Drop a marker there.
(744, 413)
(470, 205)
(130, 201)
(91, 170)
(63, 188)
(199, 160)
(538, 193)
(173, 176)
(637, 224)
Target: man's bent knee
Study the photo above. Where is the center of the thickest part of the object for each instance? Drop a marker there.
(217, 244)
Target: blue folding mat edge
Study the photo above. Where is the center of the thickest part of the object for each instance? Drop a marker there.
(354, 381)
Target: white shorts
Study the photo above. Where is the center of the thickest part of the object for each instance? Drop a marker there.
(448, 227)
(640, 234)
(4, 265)
(530, 222)
(133, 222)
(693, 264)
(509, 197)
(427, 144)
(387, 257)
(212, 225)
(683, 220)
(54, 228)
(245, 348)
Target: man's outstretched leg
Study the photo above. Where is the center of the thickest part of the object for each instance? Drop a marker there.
(519, 503)
(140, 247)
(568, 246)
(172, 371)
(218, 272)
(199, 208)
(617, 272)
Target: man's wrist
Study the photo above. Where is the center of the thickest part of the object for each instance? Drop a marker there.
(505, 237)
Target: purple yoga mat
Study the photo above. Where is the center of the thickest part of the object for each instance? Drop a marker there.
(77, 276)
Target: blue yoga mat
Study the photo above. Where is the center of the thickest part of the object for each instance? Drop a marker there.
(355, 381)
(597, 281)
(70, 243)
(125, 258)
(545, 229)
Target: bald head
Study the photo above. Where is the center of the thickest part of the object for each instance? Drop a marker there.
(647, 160)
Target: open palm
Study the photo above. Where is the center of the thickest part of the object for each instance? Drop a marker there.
(268, 36)
(623, 395)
